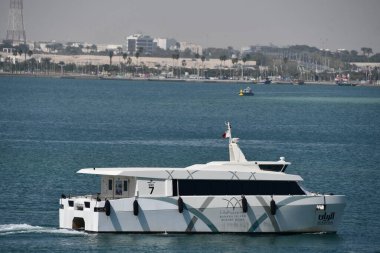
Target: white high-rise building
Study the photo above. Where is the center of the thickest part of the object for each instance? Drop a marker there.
(137, 41)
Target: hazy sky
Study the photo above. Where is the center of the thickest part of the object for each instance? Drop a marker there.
(333, 24)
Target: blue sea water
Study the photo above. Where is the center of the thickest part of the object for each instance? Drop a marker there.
(50, 128)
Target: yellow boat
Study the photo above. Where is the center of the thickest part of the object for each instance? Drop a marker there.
(246, 92)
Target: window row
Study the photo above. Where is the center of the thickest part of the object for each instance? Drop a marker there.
(235, 187)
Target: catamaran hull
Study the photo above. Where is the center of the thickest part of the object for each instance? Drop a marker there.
(206, 214)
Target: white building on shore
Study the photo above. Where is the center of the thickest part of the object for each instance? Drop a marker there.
(194, 48)
(166, 44)
(108, 47)
(136, 41)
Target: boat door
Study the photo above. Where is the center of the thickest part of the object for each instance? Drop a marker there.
(115, 187)
(108, 187)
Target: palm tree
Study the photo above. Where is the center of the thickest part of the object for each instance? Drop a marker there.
(125, 55)
(129, 61)
(244, 60)
(369, 51)
(366, 51)
(46, 62)
(175, 56)
(30, 53)
(22, 48)
(14, 65)
(183, 65)
(177, 45)
(20, 52)
(223, 59)
(203, 58)
(94, 48)
(137, 55)
(285, 60)
(220, 67)
(197, 57)
(33, 62)
(61, 64)
(110, 55)
(233, 61)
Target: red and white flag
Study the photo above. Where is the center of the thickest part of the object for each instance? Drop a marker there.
(227, 134)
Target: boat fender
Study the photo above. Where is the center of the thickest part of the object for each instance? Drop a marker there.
(107, 206)
(135, 207)
(180, 205)
(273, 207)
(244, 204)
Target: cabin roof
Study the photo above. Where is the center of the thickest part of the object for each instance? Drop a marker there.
(213, 170)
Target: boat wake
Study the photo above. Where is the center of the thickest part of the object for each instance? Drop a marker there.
(11, 229)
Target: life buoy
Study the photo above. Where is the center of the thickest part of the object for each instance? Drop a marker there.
(180, 205)
(244, 204)
(135, 207)
(107, 206)
(273, 207)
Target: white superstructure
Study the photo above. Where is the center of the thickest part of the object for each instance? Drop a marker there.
(223, 196)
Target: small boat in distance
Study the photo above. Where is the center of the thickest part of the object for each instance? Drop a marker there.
(344, 80)
(266, 81)
(346, 84)
(298, 82)
(246, 92)
(237, 196)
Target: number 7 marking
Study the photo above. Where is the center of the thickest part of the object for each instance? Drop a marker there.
(152, 188)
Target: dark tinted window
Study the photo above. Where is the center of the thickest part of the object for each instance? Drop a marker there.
(175, 182)
(236, 187)
(110, 184)
(273, 167)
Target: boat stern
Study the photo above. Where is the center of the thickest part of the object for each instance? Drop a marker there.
(80, 213)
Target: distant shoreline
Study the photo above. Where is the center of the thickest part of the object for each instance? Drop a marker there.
(120, 78)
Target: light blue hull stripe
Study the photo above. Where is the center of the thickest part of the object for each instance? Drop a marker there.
(198, 214)
(256, 222)
(280, 204)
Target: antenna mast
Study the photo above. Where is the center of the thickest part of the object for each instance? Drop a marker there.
(16, 32)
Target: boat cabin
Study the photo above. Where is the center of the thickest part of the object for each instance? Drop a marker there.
(268, 180)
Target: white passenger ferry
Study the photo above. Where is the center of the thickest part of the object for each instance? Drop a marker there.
(221, 196)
